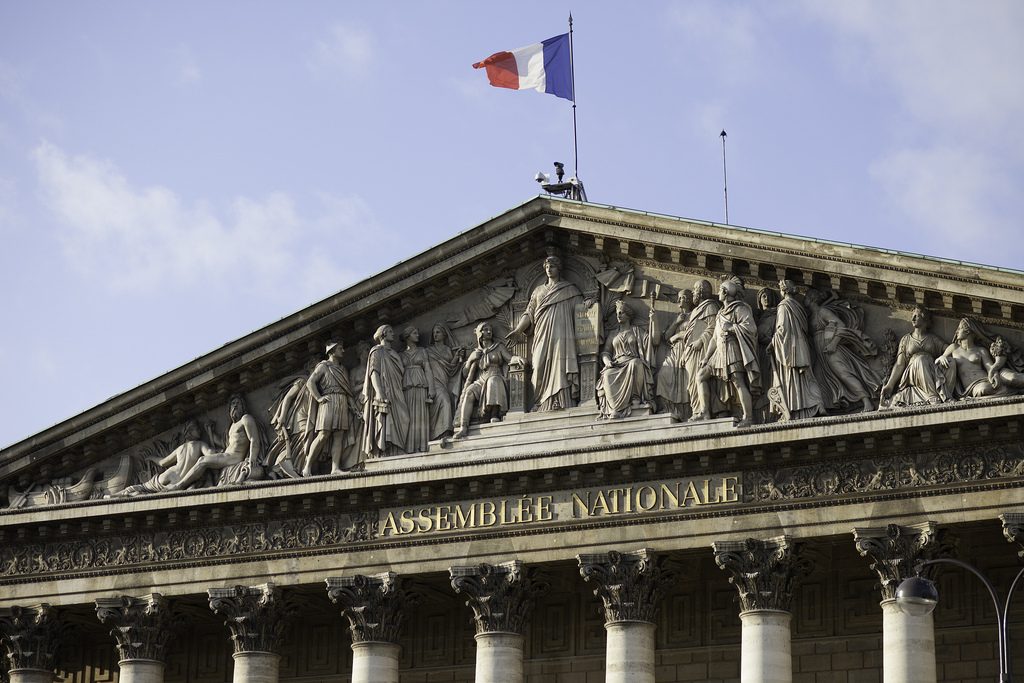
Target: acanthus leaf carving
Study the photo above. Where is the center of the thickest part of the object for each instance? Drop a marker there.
(501, 596)
(630, 585)
(896, 550)
(255, 615)
(1013, 529)
(764, 572)
(374, 605)
(141, 626)
(31, 636)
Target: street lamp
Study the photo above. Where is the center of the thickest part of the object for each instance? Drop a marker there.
(917, 596)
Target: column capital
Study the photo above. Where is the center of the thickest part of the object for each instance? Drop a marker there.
(1013, 529)
(374, 605)
(141, 626)
(895, 550)
(500, 595)
(765, 572)
(31, 636)
(255, 615)
(629, 584)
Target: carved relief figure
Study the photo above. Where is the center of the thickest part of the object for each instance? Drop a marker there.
(697, 336)
(241, 459)
(627, 379)
(766, 307)
(971, 370)
(795, 392)
(732, 355)
(385, 414)
(914, 378)
(550, 313)
(418, 385)
(331, 412)
(486, 391)
(179, 461)
(841, 353)
(446, 358)
(673, 381)
(289, 416)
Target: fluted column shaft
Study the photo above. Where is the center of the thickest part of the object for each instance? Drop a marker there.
(908, 642)
(630, 586)
(765, 572)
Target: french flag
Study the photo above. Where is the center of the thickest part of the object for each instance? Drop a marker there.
(545, 67)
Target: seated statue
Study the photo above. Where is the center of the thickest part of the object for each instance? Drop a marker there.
(973, 371)
(627, 379)
(485, 394)
(914, 378)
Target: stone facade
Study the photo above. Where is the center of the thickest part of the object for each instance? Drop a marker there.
(529, 454)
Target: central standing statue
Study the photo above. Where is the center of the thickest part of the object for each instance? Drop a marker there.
(551, 312)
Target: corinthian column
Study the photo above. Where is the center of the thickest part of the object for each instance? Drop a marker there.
(630, 586)
(908, 641)
(31, 637)
(141, 628)
(501, 597)
(375, 609)
(765, 574)
(256, 617)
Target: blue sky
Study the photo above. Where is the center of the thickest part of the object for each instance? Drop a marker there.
(176, 175)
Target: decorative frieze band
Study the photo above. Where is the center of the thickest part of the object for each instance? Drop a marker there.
(501, 596)
(934, 468)
(108, 551)
(31, 636)
(141, 626)
(374, 605)
(630, 585)
(255, 615)
(895, 550)
(1013, 529)
(765, 572)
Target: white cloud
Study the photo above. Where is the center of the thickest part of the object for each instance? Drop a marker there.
(148, 238)
(948, 193)
(725, 36)
(347, 49)
(186, 66)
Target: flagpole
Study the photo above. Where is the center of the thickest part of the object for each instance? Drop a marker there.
(725, 177)
(572, 78)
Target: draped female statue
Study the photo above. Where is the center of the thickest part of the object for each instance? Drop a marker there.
(627, 379)
(446, 358)
(914, 378)
(672, 383)
(418, 386)
(795, 392)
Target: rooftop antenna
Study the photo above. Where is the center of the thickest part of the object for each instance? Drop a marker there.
(570, 189)
(725, 177)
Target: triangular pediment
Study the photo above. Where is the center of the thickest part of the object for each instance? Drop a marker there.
(488, 273)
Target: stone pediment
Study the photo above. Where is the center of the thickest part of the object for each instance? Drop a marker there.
(489, 274)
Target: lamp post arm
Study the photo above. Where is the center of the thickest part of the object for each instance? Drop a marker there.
(1006, 624)
(1004, 676)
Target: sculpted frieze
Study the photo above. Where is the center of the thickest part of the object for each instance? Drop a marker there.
(219, 542)
(563, 332)
(821, 480)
